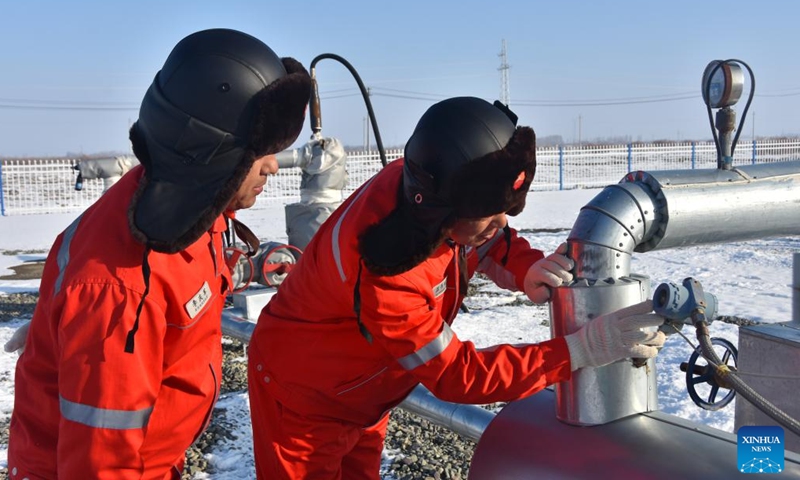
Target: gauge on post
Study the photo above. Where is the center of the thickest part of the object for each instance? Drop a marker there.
(722, 84)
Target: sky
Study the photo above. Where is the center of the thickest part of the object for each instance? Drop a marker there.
(751, 279)
(72, 74)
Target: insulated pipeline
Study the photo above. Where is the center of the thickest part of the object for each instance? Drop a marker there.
(667, 209)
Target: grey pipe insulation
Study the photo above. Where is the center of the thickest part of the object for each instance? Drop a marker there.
(659, 210)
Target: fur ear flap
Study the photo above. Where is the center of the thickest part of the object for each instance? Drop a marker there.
(396, 244)
(280, 110)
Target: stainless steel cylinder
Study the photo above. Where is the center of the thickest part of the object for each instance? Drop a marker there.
(595, 396)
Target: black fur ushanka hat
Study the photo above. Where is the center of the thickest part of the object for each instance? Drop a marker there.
(222, 99)
(466, 159)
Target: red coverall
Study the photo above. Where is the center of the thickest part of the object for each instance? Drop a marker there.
(84, 408)
(320, 392)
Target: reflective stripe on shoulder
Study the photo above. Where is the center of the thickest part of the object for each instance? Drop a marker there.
(103, 417)
(484, 249)
(337, 253)
(432, 349)
(63, 253)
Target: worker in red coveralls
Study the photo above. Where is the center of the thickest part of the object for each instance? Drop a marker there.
(365, 315)
(122, 363)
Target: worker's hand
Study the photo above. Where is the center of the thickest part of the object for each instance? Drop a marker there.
(17, 341)
(551, 271)
(615, 336)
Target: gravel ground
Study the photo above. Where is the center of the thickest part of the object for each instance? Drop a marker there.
(12, 306)
(419, 449)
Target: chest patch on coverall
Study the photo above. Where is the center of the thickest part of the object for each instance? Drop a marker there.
(440, 289)
(195, 304)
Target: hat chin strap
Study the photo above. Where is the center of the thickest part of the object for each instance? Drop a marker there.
(246, 235)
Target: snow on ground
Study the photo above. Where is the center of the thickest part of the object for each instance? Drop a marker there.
(750, 279)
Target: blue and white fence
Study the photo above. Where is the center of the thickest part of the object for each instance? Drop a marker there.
(47, 186)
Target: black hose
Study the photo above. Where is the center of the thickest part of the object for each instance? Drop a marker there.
(314, 105)
(746, 105)
(741, 388)
(707, 96)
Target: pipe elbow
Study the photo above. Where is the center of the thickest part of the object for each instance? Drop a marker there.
(611, 226)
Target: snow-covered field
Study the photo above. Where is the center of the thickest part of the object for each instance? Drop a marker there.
(750, 279)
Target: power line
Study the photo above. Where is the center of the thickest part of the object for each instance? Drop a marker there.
(35, 104)
(27, 104)
(794, 94)
(67, 107)
(600, 103)
(409, 97)
(646, 97)
(340, 90)
(344, 95)
(407, 91)
(64, 102)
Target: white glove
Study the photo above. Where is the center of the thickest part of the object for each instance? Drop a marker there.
(551, 271)
(17, 341)
(615, 336)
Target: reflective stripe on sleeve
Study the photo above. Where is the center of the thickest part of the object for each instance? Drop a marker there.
(63, 253)
(429, 351)
(337, 253)
(103, 417)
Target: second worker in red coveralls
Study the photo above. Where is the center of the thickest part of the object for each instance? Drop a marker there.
(365, 315)
(122, 364)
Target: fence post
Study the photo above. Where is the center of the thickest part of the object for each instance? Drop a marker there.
(694, 154)
(2, 200)
(561, 167)
(754, 152)
(630, 157)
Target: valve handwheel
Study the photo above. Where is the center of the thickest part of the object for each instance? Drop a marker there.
(698, 375)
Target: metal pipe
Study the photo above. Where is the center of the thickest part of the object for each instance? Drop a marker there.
(651, 211)
(469, 421)
(288, 158)
(236, 325)
(93, 168)
(659, 210)
(750, 202)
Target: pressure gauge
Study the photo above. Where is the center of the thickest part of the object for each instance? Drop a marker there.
(724, 87)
